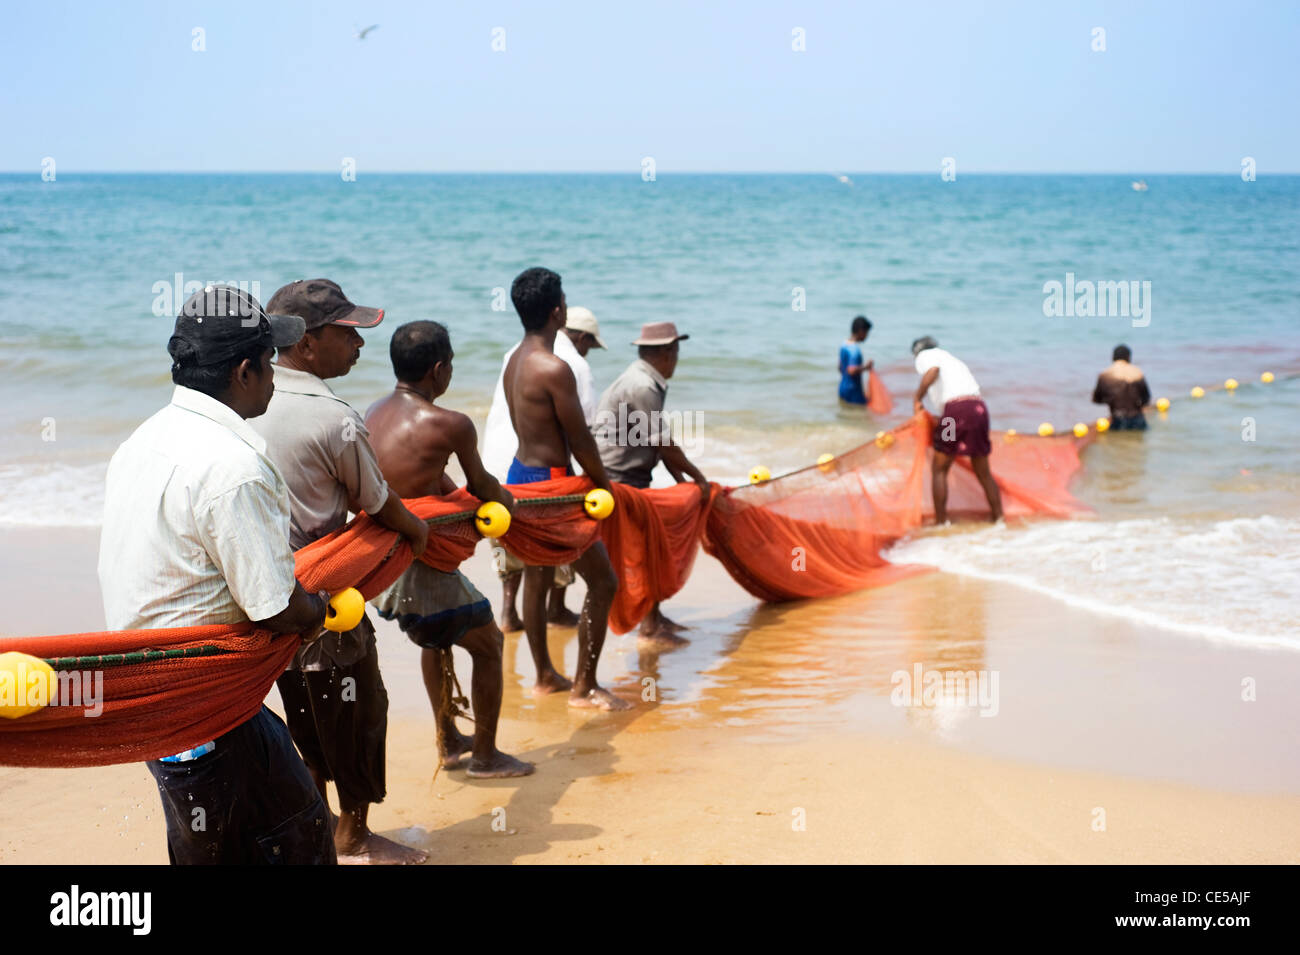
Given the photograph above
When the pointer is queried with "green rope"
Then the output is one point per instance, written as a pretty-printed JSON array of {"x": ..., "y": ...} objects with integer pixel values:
[
  {"x": 522, "y": 502},
  {"x": 104, "y": 660}
]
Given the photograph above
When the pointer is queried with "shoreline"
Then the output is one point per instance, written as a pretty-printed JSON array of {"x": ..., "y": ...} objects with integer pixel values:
[{"x": 777, "y": 708}]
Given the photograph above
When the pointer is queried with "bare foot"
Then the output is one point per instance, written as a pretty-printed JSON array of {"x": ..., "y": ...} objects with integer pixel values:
[
  {"x": 563, "y": 617},
  {"x": 660, "y": 640},
  {"x": 500, "y": 766},
  {"x": 598, "y": 699},
  {"x": 376, "y": 850},
  {"x": 550, "y": 682},
  {"x": 671, "y": 624},
  {"x": 458, "y": 747},
  {"x": 509, "y": 621}
]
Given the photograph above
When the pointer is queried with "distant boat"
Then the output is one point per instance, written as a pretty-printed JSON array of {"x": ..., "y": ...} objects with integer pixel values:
[
  {"x": 844, "y": 179},
  {"x": 1140, "y": 186}
]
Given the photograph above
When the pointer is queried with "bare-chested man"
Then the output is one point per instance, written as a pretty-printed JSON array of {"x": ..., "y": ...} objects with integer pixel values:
[
  {"x": 548, "y": 419},
  {"x": 413, "y": 439}
]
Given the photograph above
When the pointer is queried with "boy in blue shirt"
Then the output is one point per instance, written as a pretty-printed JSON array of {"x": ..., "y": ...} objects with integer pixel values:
[{"x": 852, "y": 365}]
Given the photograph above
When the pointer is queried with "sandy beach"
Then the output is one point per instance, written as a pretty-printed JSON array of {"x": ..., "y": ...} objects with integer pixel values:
[{"x": 773, "y": 738}]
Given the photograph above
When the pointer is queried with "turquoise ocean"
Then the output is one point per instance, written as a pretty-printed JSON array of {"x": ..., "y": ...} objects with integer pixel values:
[{"x": 1195, "y": 523}]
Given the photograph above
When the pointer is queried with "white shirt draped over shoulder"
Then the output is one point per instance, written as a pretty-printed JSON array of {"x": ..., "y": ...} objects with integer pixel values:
[{"x": 499, "y": 439}]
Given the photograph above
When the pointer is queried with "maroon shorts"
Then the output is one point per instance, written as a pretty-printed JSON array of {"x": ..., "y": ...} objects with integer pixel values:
[{"x": 963, "y": 428}]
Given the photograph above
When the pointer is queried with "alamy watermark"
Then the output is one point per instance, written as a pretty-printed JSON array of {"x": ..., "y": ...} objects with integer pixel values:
[
  {"x": 169, "y": 297},
  {"x": 634, "y": 428},
  {"x": 1086, "y": 299},
  {"x": 35, "y": 688},
  {"x": 931, "y": 688}
]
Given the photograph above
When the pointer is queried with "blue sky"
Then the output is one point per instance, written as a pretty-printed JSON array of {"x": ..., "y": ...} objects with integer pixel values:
[{"x": 1000, "y": 87}]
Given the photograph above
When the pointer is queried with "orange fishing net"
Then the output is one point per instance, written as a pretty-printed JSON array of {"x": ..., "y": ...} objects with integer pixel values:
[
  {"x": 816, "y": 532},
  {"x": 819, "y": 532},
  {"x": 878, "y": 398}
]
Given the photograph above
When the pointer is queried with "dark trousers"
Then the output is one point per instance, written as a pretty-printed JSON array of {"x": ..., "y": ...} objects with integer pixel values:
[
  {"x": 339, "y": 719},
  {"x": 249, "y": 802},
  {"x": 1136, "y": 422}
]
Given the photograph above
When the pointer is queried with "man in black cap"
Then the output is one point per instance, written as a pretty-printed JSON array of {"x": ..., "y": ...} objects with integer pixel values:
[
  {"x": 334, "y": 697},
  {"x": 196, "y": 532}
]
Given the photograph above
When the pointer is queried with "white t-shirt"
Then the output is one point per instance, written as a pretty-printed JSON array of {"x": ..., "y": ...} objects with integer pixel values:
[
  {"x": 954, "y": 381},
  {"x": 499, "y": 439}
]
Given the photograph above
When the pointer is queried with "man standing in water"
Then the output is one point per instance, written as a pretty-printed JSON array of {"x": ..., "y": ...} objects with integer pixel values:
[
  {"x": 852, "y": 365},
  {"x": 630, "y": 453},
  {"x": 1124, "y": 389},
  {"x": 548, "y": 419},
  {"x": 334, "y": 697},
  {"x": 414, "y": 439},
  {"x": 196, "y": 532},
  {"x": 963, "y": 425}
]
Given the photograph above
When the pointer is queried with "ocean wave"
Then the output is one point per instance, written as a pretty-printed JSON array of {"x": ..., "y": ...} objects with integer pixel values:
[
  {"x": 1231, "y": 581},
  {"x": 59, "y": 495}
]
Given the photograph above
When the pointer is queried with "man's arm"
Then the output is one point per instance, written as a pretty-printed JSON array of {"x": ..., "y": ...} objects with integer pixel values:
[
  {"x": 246, "y": 534},
  {"x": 563, "y": 389},
  {"x": 1099, "y": 393},
  {"x": 305, "y": 614},
  {"x": 1144, "y": 393},
  {"x": 357, "y": 469},
  {"x": 928, "y": 379},
  {"x": 396, "y": 517},
  {"x": 677, "y": 463},
  {"x": 485, "y": 487}
]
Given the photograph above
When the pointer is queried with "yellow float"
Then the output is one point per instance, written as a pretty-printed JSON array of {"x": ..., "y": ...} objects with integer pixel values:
[
  {"x": 1080, "y": 429},
  {"x": 825, "y": 461},
  {"x": 1231, "y": 384},
  {"x": 1162, "y": 404},
  {"x": 26, "y": 683},
  {"x": 1198, "y": 392},
  {"x": 1103, "y": 425},
  {"x": 1267, "y": 377},
  {"x": 884, "y": 439},
  {"x": 759, "y": 474},
  {"x": 345, "y": 610},
  {"x": 492, "y": 519},
  {"x": 1045, "y": 430},
  {"x": 599, "y": 503}
]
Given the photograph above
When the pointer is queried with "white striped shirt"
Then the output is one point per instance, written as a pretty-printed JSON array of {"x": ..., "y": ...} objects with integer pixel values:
[{"x": 196, "y": 522}]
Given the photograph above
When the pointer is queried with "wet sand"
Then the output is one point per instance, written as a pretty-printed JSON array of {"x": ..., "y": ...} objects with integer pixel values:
[{"x": 773, "y": 737}]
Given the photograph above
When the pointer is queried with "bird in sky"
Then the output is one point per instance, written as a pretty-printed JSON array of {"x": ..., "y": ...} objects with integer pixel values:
[{"x": 361, "y": 34}]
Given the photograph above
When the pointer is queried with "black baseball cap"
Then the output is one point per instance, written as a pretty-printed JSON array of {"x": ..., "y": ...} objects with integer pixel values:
[
  {"x": 221, "y": 321},
  {"x": 321, "y": 302}
]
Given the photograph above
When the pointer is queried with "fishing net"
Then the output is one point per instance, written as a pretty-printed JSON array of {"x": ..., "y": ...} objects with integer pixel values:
[
  {"x": 816, "y": 532},
  {"x": 820, "y": 531}
]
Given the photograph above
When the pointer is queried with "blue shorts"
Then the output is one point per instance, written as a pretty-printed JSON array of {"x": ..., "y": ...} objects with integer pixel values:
[{"x": 523, "y": 474}]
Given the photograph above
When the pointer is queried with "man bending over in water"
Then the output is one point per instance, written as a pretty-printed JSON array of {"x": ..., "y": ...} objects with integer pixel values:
[
  {"x": 413, "y": 439},
  {"x": 542, "y": 395},
  {"x": 963, "y": 425}
]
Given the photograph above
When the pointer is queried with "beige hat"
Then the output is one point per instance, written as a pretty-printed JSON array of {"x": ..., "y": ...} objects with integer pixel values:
[
  {"x": 582, "y": 320},
  {"x": 659, "y": 333}
]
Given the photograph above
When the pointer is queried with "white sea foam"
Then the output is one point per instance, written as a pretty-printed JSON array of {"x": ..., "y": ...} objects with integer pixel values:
[
  {"x": 1226, "y": 580},
  {"x": 58, "y": 495}
]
